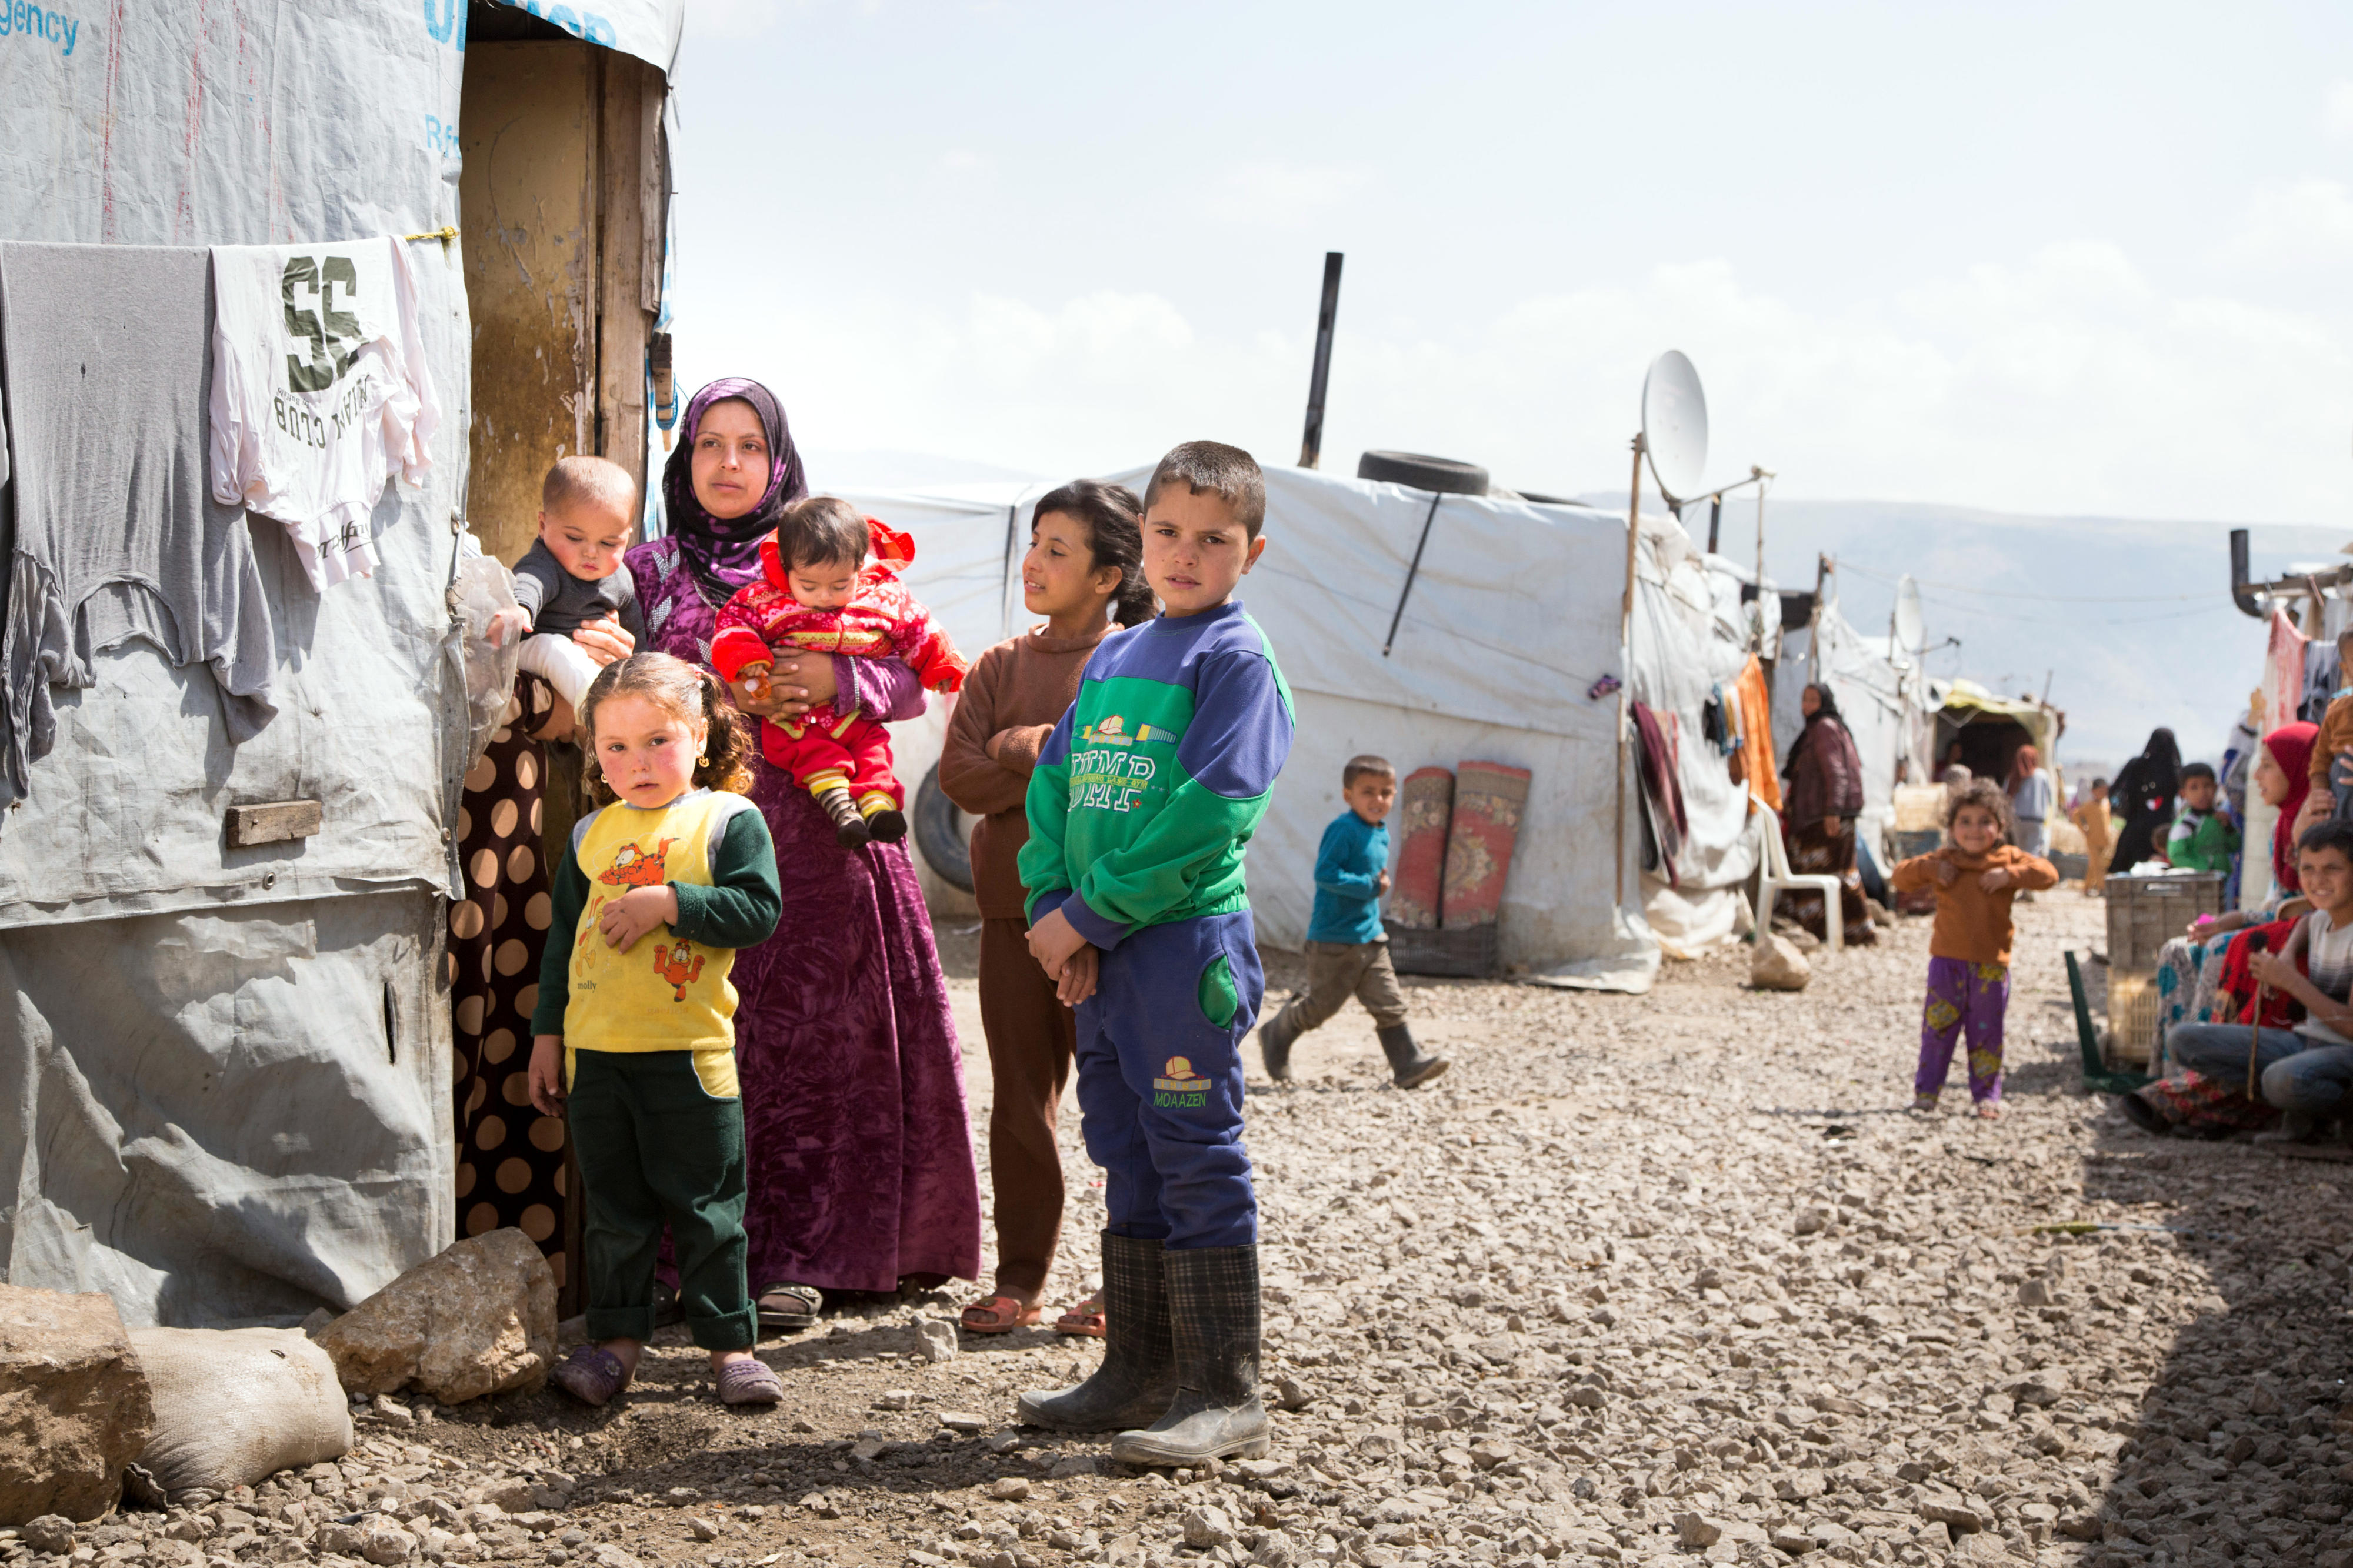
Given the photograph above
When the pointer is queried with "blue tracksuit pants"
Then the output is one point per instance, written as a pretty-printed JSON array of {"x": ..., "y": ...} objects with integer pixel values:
[{"x": 1160, "y": 1080}]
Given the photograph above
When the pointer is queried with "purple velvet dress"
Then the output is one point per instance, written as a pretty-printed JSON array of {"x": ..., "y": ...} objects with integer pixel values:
[{"x": 860, "y": 1158}]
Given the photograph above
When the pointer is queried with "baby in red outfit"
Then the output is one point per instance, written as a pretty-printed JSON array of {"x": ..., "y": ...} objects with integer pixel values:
[{"x": 818, "y": 594}]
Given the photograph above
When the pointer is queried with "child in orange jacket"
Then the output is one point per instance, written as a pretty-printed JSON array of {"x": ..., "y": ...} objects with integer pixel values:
[
  {"x": 1975, "y": 877},
  {"x": 818, "y": 594}
]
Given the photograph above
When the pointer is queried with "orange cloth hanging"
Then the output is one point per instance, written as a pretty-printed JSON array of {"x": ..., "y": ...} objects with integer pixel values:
[{"x": 1757, "y": 733}]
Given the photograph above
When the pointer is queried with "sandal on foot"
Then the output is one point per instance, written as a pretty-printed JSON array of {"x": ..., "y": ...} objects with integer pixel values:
[
  {"x": 749, "y": 1382},
  {"x": 591, "y": 1375},
  {"x": 1085, "y": 1319},
  {"x": 1988, "y": 1110},
  {"x": 998, "y": 1315},
  {"x": 787, "y": 1305}
]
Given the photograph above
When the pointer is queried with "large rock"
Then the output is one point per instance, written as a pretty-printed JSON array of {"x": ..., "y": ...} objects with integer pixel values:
[
  {"x": 1776, "y": 965},
  {"x": 478, "y": 1319},
  {"x": 74, "y": 1407}
]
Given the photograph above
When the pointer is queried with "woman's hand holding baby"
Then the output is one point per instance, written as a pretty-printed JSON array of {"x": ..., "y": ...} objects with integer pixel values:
[
  {"x": 788, "y": 690},
  {"x": 607, "y": 641},
  {"x": 636, "y": 913}
]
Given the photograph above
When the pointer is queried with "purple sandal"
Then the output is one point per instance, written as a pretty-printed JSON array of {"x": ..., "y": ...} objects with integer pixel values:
[
  {"x": 591, "y": 1375},
  {"x": 749, "y": 1382}
]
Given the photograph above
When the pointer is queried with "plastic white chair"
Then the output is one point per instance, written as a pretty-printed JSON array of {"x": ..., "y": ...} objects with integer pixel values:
[{"x": 1778, "y": 878}]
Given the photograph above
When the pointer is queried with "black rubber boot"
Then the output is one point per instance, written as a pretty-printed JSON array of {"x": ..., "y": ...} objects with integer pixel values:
[
  {"x": 1213, "y": 1316},
  {"x": 888, "y": 825},
  {"x": 1138, "y": 1375},
  {"x": 848, "y": 827},
  {"x": 1274, "y": 1040},
  {"x": 1407, "y": 1064}
]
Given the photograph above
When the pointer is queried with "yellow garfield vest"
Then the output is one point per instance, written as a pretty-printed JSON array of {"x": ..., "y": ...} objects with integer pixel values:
[{"x": 665, "y": 993}]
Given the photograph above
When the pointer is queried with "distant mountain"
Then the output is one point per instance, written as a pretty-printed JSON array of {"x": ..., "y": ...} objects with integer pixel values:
[{"x": 2130, "y": 623}]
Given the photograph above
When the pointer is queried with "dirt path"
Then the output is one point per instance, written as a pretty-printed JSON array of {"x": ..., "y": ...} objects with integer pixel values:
[{"x": 1669, "y": 1277}]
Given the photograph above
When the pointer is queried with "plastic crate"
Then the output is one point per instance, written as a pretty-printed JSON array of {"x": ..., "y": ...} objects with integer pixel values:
[
  {"x": 1466, "y": 952},
  {"x": 2146, "y": 912}
]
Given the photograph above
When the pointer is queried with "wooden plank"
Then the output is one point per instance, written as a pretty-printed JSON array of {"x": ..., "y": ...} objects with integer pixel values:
[
  {"x": 272, "y": 821},
  {"x": 621, "y": 322},
  {"x": 653, "y": 190},
  {"x": 526, "y": 204}
]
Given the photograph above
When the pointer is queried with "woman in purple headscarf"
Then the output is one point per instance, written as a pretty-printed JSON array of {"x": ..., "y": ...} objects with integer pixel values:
[{"x": 859, "y": 1152}]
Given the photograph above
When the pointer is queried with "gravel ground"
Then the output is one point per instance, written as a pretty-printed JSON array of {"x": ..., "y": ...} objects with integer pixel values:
[{"x": 1676, "y": 1277}]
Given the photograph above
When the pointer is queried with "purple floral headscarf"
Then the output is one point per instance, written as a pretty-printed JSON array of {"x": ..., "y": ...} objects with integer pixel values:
[{"x": 724, "y": 554}]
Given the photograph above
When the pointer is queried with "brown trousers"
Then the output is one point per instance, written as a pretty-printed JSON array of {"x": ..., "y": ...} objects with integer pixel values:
[
  {"x": 1339, "y": 970},
  {"x": 1031, "y": 1038}
]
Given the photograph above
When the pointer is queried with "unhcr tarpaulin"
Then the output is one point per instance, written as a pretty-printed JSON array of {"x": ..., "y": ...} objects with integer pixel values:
[{"x": 225, "y": 1076}]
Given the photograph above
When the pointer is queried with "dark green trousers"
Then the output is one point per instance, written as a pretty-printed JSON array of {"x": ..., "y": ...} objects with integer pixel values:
[{"x": 657, "y": 1147}]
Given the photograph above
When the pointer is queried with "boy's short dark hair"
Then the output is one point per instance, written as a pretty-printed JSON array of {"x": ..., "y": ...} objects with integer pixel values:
[
  {"x": 571, "y": 480},
  {"x": 1984, "y": 794},
  {"x": 2196, "y": 770},
  {"x": 2336, "y": 833},
  {"x": 1358, "y": 767},
  {"x": 2099, "y": 783},
  {"x": 1227, "y": 472},
  {"x": 823, "y": 531}
]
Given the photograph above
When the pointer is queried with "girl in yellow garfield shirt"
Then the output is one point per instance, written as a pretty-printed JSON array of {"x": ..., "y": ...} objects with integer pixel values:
[{"x": 635, "y": 1032}]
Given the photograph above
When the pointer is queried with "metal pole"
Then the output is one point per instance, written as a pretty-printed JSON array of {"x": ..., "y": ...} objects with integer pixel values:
[
  {"x": 1311, "y": 443},
  {"x": 1411, "y": 572},
  {"x": 1714, "y": 519},
  {"x": 1626, "y": 643},
  {"x": 1760, "y": 576}
]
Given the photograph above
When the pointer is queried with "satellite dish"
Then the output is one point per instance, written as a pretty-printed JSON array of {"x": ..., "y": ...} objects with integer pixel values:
[
  {"x": 1674, "y": 424},
  {"x": 1910, "y": 630}
]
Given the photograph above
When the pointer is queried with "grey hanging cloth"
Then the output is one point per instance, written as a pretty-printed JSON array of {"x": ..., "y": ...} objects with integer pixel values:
[{"x": 107, "y": 351}]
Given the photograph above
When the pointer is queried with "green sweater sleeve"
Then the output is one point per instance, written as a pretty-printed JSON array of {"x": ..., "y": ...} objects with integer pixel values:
[
  {"x": 740, "y": 907},
  {"x": 566, "y": 900}
]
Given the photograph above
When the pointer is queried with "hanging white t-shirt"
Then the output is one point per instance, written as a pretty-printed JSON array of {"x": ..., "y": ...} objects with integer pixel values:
[{"x": 320, "y": 391}]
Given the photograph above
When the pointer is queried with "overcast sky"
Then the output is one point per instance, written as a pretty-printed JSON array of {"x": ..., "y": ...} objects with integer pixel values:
[{"x": 2085, "y": 258}]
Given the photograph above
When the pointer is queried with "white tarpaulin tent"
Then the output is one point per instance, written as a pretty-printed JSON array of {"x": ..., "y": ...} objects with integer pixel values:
[
  {"x": 224, "y": 1075},
  {"x": 1881, "y": 704},
  {"x": 1511, "y": 620},
  {"x": 1690, "y": 643}
]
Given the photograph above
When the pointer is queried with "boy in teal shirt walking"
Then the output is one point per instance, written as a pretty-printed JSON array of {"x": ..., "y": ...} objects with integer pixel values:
[
  {"x": 1347, "y": 947},
  {"x": 1142, "y": 801}
]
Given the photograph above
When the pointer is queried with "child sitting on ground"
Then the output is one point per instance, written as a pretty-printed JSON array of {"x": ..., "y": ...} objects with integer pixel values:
[
  {"x": 634, "y": 1032},
  {"x": 2201, "y": 838},
  {"x": 816, "y": 594},
  {"x": 1976, "y": 876},
  {"x": 572, "y": 575},
  {"x": 1347, "y": 950}
]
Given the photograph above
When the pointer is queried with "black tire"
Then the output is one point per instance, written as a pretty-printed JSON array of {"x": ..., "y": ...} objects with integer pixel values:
[
  {"x": 1443, "y": 475},
  {"x": 940, "y": 833}
]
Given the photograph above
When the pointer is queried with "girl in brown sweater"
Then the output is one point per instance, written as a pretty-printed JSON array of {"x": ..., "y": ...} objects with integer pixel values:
[
  {"x": 1975, "y": 878},
  {"x": 1085, "y": 570}
]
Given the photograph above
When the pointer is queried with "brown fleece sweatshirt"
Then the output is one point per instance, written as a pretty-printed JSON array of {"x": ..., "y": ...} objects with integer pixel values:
[
  {"x": 1018, "y": 691},
  {"x": 1972, "y": 924},
  {"x": 2335, "y": 731}
]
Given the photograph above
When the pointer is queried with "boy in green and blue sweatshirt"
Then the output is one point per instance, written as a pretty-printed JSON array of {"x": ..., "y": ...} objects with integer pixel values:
[{"x": 1142, "y": 801}]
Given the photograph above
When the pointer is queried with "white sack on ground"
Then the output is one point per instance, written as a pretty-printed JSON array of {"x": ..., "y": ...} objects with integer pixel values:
[{"x": 233, "y": 1406}]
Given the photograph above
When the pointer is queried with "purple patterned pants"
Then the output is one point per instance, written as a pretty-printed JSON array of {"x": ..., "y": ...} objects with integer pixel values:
[{"x": 1963, "y": 996}]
